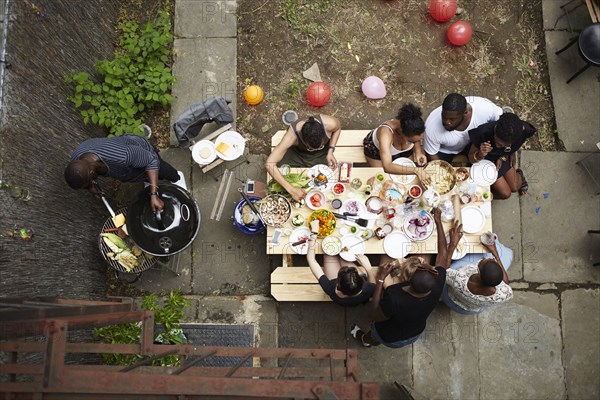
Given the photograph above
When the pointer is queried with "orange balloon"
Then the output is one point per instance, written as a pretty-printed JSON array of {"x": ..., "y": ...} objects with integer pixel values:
[{"x": 254, "y": 95}]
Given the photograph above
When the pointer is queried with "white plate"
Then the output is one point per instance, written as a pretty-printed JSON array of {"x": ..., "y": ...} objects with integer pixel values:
[
  {"x": 412, "y": 236},
  {"x": 312, "y": 193},
  {"x": 403, "y": 179},
  {"x": 295, "y": 236},
  {"x": 236, "y": 144},
  {"x": 362, "y": 209},
  {"x": 204, "y": 144},
  {"x": 331, "y": 245},
  {"x": 355, "y": 245},
  {"x": 396, "y": 245},
  {"x": 325, "y": 170},
  {"x": 473, "y": 219},
  {"x": 484, "y": 173},
  {"x": 461, "y": 250}
]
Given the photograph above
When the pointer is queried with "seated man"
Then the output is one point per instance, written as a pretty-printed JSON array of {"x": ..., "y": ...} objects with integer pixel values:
[
  {"x": 306, "y": 143},
  {"x": 128, "y": 158},
  {"x": 446, "y": 128}
]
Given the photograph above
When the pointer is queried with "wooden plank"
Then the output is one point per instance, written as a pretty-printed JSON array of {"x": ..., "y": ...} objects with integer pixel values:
[
  {"x": 593, "y": 7},
  {"x": 296, "y": 275},
  {"x": 213, "y": 135},
  {"x": 351, "y": 137},
  {"x": 298, "y": 293}
]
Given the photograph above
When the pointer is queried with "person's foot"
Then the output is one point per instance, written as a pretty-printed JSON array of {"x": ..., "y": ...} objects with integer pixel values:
[
  {"x": 181, "y": 182},
  {"x": 507, "y": 109},
  {"x": 524, "y": 185},
  {"x": 147, "y": 131},
  {"x": 358, "y": 334}
]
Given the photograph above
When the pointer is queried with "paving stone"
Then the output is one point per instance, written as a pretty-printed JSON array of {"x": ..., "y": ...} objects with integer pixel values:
[
  {"x": 556, "y": 245},
  {"x": 581, "y": 336},
  {"x": 519, "y": 353},
  {"x": 507, "y": 222},
  {"x": 547, "y": 286},
  {"x": 447, "y": 354},
  {"x": 304, "y": 325},
  {"x": 519, "y": 285},
  {"x": 575, "y": 104},
  {"x": 578, "y": 15},
  {"x": 546, "y": 304},
  {"x": 205, "y": 18}
]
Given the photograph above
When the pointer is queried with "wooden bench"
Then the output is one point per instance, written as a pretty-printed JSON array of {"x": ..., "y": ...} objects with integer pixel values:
[{"x": 348, "y": 148}]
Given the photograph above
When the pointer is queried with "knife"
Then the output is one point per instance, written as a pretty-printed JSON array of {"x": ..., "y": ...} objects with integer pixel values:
[
  {"x": 299, "y": 242},
  {"x": 252, "y": 207}
]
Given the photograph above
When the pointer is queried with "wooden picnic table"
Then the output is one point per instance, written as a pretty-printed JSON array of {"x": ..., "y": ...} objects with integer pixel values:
[{"x": 374, "y": 245}]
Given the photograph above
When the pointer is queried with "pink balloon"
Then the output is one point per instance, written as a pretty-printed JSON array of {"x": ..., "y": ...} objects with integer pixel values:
[
  {"x": 459, "y": 33},
  {"x": 374, "y": 88}
]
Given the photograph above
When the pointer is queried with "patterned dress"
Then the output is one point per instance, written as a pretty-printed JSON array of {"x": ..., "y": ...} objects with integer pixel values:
[{"x": 460, "y": 294}]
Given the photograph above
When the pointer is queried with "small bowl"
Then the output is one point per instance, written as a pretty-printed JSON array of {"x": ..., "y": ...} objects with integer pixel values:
[
  {"x": 462, "y": 174},
  {"x": 311, "y": 195},
  {"x": 415, "y": 191},
  {"x": 374, "y": 205},
  {"x": 297, "y": 220},
  {"x": 338, "y": 189}
]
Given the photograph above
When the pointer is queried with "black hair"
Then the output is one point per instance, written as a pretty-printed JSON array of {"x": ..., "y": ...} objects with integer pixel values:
[
  {"x": 349, "y": 281},
  {"x": 508, "y": 126},
  {"x": 76, "y": 174},
  {"x": 491, "y": 273},
  {"x": 312, "y": 133},
  {"x": 410, "y": 120},
  {"x": 455, "y": 102},
  {"x": 422, "y": 281}
]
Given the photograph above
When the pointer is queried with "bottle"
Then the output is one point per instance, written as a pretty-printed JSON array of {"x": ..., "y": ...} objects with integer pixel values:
[{"x": 368, "y": 190}]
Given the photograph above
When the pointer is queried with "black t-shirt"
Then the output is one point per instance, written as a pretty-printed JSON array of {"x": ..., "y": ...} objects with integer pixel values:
[
  {"x": 363, "y": 297},
  {"x": 407, "y": 314},
  {"x": 485, "y": 133}
]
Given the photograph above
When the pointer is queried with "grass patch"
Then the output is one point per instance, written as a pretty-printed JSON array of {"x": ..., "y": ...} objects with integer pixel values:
[{"x": 303, "y": 15}]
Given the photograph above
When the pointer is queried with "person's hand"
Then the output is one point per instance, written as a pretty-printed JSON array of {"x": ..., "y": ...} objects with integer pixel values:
[
  {"x": 156, "y": 204},
  {"x": 423, "y": 177},
  {"x": 456, "y": 233},
  {"x": 485, "y": 148},
  {"x": 385, "y": 269},
  {"x": 363, "y": 260},
  {"x": 93, "y": 189},
  {"x": 437, "y": 215},
  {"x": 513, "y": 160},
  {"x": 314, "y": 226},
  {"x": 331, "y": 161},
  {"x": 421, "y": 159},
  {"x": 297, "y": 194}
]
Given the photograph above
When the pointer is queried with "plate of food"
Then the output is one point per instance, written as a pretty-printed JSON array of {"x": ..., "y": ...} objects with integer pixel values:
[
  {"x": 332, "y": 245},
  {"x": 473, "y": 219},
  {"x": 419, "y": 226},
  {"x": 462, "y": 174},
  {"x": 338, "y": 189},
  {"x": 403, "y": 179},
  {"x": 354, "y": 206},
  {"x": 391, "y": 192},
  {"x": 461, "y": 248},
  {"x": 245, "y": 219},
  {"x": 204, "y": 152},
  {"x": 315, "y": 199},
  {"x": 484, "y": 173},
  {"x": 397, "y": 245},
  {"x": 327, "y": 222},
  {"x": 374, "y": 205},
  {"x": 321, "y": 176},
  {"x": 351, "y": 246},
  {"x": 298, "y": 235},
  {"x": 442, "y": 174},
  {"x": 230, "y": 145},
  {"x": 274, "y": 209}
]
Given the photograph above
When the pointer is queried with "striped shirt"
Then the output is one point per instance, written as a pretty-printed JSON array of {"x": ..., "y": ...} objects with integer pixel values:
[{"x": 127, "y": 157}]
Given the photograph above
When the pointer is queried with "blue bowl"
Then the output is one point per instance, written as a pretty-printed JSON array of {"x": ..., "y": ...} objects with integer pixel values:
[{"x": 249, "y": 229}]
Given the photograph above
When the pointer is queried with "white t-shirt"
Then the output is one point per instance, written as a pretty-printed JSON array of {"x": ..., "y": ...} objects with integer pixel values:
[
  {"x": 437, "y": 138},
  {"x": 459, "y": 293}
]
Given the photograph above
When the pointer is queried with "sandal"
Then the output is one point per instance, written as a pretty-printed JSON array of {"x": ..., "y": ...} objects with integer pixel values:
[
  {"x": 354, "y": 329},
  {"x": 524, "y": 185}
]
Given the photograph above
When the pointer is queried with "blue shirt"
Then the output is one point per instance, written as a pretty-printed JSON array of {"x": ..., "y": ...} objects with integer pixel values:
[{"x": 127, "y": 157}]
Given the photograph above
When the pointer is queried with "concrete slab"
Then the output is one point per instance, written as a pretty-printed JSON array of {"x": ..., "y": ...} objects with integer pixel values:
[
  {"x": 544, "y": 303},
  {"x": 575, "y": 104},
  {"x": 204, "y": 68},
  {"x": 447, "y": 354},
  {"x": 226, "y": 261},
  {"x": 507, "y": 222},
  {"x": 556, "y": 245},
  {"x": 578, "y": 15},
  {"x": 519, "y": 354},
  {"x": 581, "y": 337},
  {"x": 205, "y": 18},
  {"x": 312, "y": 325}
]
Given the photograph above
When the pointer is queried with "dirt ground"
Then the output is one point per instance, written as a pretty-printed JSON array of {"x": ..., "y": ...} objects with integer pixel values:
[{"x": 398, "y": 41}]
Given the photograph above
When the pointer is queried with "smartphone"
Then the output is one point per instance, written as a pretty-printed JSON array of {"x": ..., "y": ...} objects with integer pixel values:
[
  {"x": 249, "y": 186},
  {"x": 276, "y": 235}
]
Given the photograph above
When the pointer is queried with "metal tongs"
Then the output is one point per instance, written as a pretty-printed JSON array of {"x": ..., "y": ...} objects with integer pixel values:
[{"x": 252, "y": 206}]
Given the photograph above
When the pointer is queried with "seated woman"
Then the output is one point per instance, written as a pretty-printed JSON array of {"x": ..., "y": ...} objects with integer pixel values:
[
  {"x": 477, "y": 281},
  {"x": 498, "y": 141},
  {"x": 306, "y": 143},
  {"x": 395, "y": 138},
  {"x": 343, "y": 284}
]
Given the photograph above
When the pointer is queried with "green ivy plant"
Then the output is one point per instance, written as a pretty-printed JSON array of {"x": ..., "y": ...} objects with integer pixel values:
[
  {"x": 137, "y": 79},
  {"x": 167, "y": 313}
]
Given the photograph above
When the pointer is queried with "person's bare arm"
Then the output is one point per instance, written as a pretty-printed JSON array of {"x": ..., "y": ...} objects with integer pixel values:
[
  {"x": 156, "y": 204},
  {"x": 276, "y": 155},
  {"x": 442, "y": 255},
  {"x": 382, "y": 273},
  {"x": 332, "y": 124},
  {"x": 432, "y": 157},
  {"x": 419, "y": 154},
  {"x": 385, "y": 143},
  {"x": 366, "y": 264},
  {"x": 494, "y": 250}
]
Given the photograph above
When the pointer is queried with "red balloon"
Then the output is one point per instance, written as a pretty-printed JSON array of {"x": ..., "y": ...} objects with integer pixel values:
[
  {"x": 318, "y": 94},
  {"x": 459, "y": 33},
  {"x": 442, "y": 10}
]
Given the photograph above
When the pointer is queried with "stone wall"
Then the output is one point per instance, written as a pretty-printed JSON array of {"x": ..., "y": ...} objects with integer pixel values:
[{"x": 39, "y": 131}]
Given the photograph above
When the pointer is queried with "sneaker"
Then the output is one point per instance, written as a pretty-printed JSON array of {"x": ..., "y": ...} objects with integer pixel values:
[
  {"x": 507, "y": 109},
  {"x": 181, "y": 182},
  {"x": 354, "y": 331},
  {"x": 147, "y": 131}
]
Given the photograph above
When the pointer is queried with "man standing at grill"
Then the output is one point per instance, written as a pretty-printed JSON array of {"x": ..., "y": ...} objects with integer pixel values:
[{"x": 128, "y": 158}]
